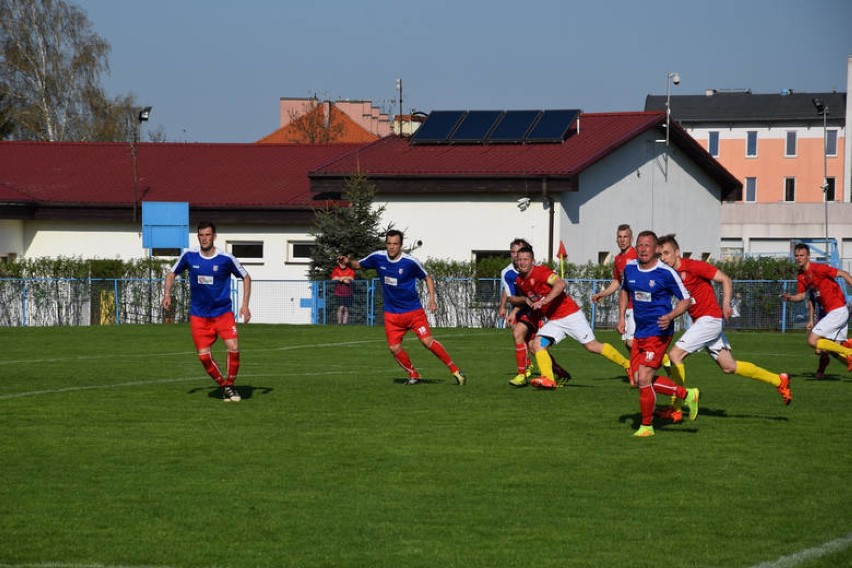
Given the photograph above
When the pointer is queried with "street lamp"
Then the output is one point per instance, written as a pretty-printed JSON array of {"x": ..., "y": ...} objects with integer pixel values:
[
  {"x": 822, "y": 109},
  {"x": 143, "y": 116},
  {"x": 671, "y": 77}
]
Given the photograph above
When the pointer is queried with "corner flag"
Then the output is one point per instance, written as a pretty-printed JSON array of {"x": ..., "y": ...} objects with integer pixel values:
[{"x": 562, "y": 254}]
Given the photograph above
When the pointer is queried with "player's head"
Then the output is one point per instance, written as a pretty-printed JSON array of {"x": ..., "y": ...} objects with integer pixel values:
[
  {"x": 624, "y": 237},
  {"x": 206, "y": 235},
  {"x": 801, "y": 254},
  {"x": 514, "y": 247},
  {"x": 525, "y": 259},
  {"x": 646, "y": 246},
  {"x": 669, "y": 249},
  {"x": 393, "y": 243}
]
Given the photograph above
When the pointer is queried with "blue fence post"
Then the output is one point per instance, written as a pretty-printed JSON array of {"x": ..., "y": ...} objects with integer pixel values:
[
  {"x": 24, "y": 305},
  {"x": 784, "y": 310},
  {"x": 315, "y": 302},
  {"x": 371, "y": 302}
]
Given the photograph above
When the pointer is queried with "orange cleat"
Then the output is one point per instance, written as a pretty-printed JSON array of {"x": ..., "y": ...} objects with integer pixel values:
[
  {"x": 543, "y": 383},
  {"x": 784, "y": 389}
]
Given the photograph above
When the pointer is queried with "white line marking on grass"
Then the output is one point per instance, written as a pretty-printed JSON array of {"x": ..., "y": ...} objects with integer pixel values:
[
  {"x": 134, "y": 384},
  {"x": 67, "y": 565},
  {"x": 836, "y": 545}
]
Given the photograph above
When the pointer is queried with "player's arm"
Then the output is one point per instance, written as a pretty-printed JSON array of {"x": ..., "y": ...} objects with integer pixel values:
[
  {"x": 621, "y": 326},
  {"x": 608, "y": 291},
  {"x": 557, "y": 287},
  {"x": 353, "y": 264},
  {"x": 432, "y": 304},
  {"x": 727, "y": 292},
  {"x": 167, "y": 290},
  {"x": 845, "y": 275},
  {"x": 501, "y": 313},
  {"x": 245, "y": 313},
  {"x": 811, "y": 322},
  {"x": 793, "y": 297},
  {"x": 680, "y": 308}
]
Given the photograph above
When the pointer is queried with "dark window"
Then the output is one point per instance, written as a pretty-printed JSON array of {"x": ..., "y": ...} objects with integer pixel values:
[
  {"x": 751, "y": 143},
  {"x": 829, "y": 189},
  {"x": 713, "y": 144},
  {"x": 789, "y": 189},
  {"x": 249, "y": 250}
]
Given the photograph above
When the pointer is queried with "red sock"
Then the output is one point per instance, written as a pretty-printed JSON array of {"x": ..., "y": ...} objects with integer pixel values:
[
  {"x": 442, "y": 354},
  {"x": 211, "y": 367},
  {"x": 405, "y": 362},
  {"x": 233, "y": 367},
  {"x": 647, "y": 403},
  {"x": 522, "y": 357},
  {"x": 664, "y": 385}
]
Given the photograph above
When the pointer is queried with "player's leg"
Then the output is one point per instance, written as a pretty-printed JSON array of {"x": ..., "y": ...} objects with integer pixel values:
[
  {"x": 830, "y": 329},
  {"x": 394, "y": 332},
  {"x": 420, "y": 326},
  {"x": 544, "y": 362},
  {"x": 203, "y": 336}
]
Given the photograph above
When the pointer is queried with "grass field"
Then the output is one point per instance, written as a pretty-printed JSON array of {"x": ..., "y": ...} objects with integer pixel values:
[{"x": 117, "y": 451}]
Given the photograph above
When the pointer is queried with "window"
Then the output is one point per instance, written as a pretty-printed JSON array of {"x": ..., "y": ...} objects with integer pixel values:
[
  {"x": 829, "y": 189},
  {"x": 705, "y": 256},
  {"x": 713, "y": 144},
  {"x": 247, "y": 252},
  {"x": 789, "y": 189},
  {"x": 299, "y": 252},
  {"x": 750, "y": 190},
  {"x": 790, "y": 148},
  {"x": 751, "y": 143},
  {"x": 831, "y": 143},
  {"x": 174, "y": 252},
  {"x": 603, "y": 257}
]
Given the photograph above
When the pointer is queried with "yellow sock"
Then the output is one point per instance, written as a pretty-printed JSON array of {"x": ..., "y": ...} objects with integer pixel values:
[
  {"x": 828, "y": 345},
  {"x": 752, "y": 371},
  {"x": 679, "y": 377},
  {"x": 666, "y": 361},
  {"x": 609, "y": 352},
  {"x": 545, "y": 363}
]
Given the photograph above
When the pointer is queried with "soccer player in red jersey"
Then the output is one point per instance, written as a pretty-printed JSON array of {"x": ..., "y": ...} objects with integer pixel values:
[
  {"x": 542, "y": 290},
  {"x": 210, "y": 311},
  {"x": 833, "y": 327},
  {"x": 707, "y": 329},
  {"x": 403, "y": 312},
  {"x": 627, "y": 252}
]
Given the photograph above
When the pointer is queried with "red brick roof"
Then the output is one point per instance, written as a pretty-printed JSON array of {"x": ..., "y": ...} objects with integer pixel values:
[
  {"x": 205, "y": 175},
  {"x": 599, "y": 135}
]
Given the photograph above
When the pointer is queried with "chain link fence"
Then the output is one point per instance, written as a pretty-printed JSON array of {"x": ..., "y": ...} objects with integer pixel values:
[{"x": 462, "y": 302}]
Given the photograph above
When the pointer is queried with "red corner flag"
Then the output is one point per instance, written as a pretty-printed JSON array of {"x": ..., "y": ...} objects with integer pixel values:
[{"x": 561, "y": 254}]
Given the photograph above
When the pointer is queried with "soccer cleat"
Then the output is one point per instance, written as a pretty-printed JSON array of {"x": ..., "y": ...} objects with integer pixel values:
[
  {"x": 670, "y": 413},
  {"x": 560, "y": 373},
  {"x": 691, "y": 399},
  {"x": 519, "y": 381},
  {"x": 644, "y": 432},
  {"x": 459, "y": 377},
  {"x": 414, "y": 381},
  {"x": 528, "y": 371},
  {"x": 784, "y": 389},
  {"x": 543, "y": 383},
  {"x": 230, "y": 394},
  {"x": 849, "y": 363},
  {"x": 563, "y": 380},
  {"x": 847, "y": 343}
]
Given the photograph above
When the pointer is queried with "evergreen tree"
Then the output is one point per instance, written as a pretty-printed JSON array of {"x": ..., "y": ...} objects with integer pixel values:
[{"x": 353, "y": 230}]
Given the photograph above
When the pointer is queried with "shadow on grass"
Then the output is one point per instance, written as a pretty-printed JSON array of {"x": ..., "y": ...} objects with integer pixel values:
[
  {"x": 722, "y": 413},
  {"x": 423, "y": 381},
  {"x": 825, "y": 379},
  {"x": 635, "y": 419},
  {"x": 246, "y": 392}
]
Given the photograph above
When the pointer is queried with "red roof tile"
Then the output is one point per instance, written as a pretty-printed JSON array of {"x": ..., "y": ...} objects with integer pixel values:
[{"x": 206, "y": 175}]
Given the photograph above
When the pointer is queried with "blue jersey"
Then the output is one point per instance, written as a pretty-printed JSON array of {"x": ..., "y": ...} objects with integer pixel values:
[
  {"x": 399, "y": 280},
  {"x": 508, "y": 276},
  {"x": 209, "y": 281},
  {"x": 651, "y": 291}
]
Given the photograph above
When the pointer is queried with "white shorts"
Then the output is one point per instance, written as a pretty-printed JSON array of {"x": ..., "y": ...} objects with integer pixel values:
[
  {"x": 629, "y": 325},
  {"x": 834, "y": 325},
  {"x": 575, "y": 326},
  {"x": 705, "y": 333}
]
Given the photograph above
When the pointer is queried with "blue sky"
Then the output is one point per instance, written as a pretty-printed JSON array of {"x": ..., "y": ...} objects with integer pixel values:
[{"x": 214, "y": 70}]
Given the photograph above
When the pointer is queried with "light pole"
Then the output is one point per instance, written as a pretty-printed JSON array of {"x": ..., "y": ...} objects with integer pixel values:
[
  {"x": 822, "y": 109},
  {"x": 399, "y": 116},
  {"x": 143, "y": 116},
  {"x": 671, "y": 77}
]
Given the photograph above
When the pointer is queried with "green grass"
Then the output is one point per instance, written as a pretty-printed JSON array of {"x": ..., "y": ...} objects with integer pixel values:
[{"x": 117, "y": 451}]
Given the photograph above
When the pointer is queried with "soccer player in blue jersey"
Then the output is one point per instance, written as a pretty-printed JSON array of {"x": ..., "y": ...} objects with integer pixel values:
[
  {"x": 651, "y": 284},
  {"x": 210, "y": 311},
  {"x": 399, "y": 273}
]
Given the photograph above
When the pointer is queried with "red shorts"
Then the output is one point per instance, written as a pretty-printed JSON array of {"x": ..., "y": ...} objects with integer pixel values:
[
  {"x": 206, "y": 330},
  {"x": 396, "y": 325},
  {"x": 649, "y": 351}
]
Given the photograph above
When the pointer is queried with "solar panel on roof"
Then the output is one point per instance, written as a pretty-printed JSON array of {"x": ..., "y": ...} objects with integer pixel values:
[
  {"x": 438, "y": 128},
  {"x": 514, "y": 126},
  {"x": 552, "y": 126},
  {"x": 476, "y": 126}
]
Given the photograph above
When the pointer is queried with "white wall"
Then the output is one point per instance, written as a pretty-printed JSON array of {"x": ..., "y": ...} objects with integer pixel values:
[
  {"x": 630, "y": 186},
  {"x": 11, "y": 237}
]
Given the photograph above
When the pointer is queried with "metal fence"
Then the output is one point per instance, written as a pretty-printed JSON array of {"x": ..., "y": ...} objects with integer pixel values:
[{"x": 462, "y": 302}]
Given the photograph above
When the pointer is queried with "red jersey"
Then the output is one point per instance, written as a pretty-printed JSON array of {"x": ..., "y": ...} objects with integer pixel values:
[
  {"x": 821, "y": 279},
  {"x": 538, "y": 284},
  {"x": 342, "y": 288},
  {"x": 621, "y": 260},
  {"x": 697, "y": 276}
]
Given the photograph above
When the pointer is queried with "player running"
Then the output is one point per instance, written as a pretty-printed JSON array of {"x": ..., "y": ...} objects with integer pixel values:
[{"x": 707, "y": 329}]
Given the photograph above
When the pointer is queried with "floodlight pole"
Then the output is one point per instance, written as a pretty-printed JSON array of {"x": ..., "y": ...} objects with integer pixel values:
[
  {"x": 143, "y": 116},
  {"x": 822, "y": 109},
  {"x": 399, "y": 115},
  {"x": 672, "y": 76}
]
